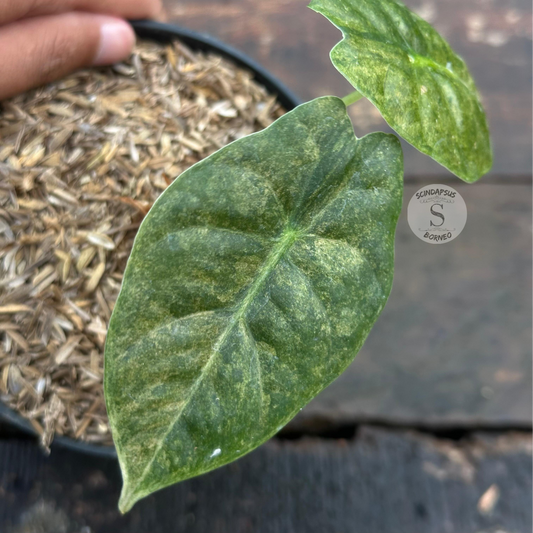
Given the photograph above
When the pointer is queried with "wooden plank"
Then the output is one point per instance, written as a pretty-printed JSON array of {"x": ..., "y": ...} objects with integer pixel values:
[
  {"x": 380, "y": 482},
  {"x": 293, "y": 43},
  {"x": 453, "y": 345}
]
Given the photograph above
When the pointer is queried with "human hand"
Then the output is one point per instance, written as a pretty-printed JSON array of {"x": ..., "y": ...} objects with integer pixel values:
[{"x": 43, "y": 40}]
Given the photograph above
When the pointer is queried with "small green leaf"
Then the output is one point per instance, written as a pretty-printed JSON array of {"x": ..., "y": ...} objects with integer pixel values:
[
  {"x": 253, "y": 282},
  {"x": 410, "y": 73}
]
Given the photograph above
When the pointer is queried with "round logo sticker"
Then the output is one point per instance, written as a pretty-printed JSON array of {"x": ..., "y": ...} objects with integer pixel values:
[{"x": 436, "y": 214}]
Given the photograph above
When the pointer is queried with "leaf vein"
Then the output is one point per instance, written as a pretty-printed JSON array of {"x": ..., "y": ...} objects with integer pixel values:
[{"x": 258, "y": 365}]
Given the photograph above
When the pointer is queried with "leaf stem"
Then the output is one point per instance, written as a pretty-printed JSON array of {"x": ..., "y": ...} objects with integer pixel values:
[{"x": 351, "y": 98}]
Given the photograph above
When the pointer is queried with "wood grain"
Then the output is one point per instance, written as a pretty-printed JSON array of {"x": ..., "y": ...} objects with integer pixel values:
[
  {"x": 494, "y": 36},
  {"x": 380, "y": 481}
]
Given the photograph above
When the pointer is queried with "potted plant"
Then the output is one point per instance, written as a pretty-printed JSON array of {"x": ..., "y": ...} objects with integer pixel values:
[
  {"x": 257, "y": 275},
  {"x": 51, "y": 168}
]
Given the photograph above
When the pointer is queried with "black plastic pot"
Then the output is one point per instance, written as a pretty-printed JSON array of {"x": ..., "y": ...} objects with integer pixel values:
[{"x": 161, "y": 32}]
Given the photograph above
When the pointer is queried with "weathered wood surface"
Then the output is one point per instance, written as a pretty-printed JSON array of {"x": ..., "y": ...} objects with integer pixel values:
[
  {"x": 380, "y": 482},
  {"x": 453, "y": 345},
  {"x": 494, "y": 36}
]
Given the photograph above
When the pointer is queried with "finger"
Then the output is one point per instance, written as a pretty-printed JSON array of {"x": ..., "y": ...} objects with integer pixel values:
[
  {"x": 38, "y": 50},
  {"x": 12, "y": 10}
]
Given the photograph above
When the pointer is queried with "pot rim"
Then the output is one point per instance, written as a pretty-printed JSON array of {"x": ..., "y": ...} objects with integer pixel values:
[{"x": 163, "y": 32}]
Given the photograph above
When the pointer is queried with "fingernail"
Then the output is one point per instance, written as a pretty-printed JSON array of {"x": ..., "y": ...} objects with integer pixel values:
[{"x": 116, "y": 42}]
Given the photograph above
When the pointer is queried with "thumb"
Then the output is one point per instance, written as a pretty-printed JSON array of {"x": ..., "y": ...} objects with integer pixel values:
[{"x": 39, "y": 50}]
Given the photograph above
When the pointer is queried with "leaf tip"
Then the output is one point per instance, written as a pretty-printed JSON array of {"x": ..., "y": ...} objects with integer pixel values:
[
  {"x": 128, "y": 499},
  {"x": 472, "y": 176}
]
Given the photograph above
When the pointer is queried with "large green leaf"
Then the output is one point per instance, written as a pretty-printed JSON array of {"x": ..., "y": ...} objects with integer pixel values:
[
  {"x": 253, "y": 282},
  {"x": 410, "y": 73}
]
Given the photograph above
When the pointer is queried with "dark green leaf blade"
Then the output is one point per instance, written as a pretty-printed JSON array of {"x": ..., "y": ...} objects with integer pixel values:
[
  {"x": 417, "y": 82},
  {"x": 253, "y": 282}
]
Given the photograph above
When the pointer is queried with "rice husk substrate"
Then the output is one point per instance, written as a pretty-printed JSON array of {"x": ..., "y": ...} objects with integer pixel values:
[{"x": 81, "y": 162}]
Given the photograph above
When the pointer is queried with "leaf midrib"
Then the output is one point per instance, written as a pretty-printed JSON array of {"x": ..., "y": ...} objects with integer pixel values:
[
  {"x": 286, "y": 241},
  {"x": 421, "y": 61}
]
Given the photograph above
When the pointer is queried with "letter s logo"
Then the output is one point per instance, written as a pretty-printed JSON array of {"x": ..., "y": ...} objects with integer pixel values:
[{"x": 439, "y": 215}]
